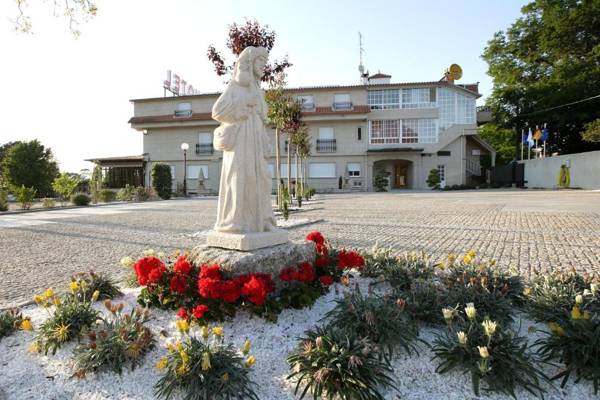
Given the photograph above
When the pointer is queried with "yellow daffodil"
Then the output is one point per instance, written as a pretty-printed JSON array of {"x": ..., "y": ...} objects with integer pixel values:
[
  {"x": 470, "y": 311},
  {"x": 162, "y": 363},
  {"x": 204, "y": 331},
  {"x": 74, "y": 286},
  {"x": 217, "y": 331},
  {"x": 472, "y": 253},
  {"x": 95, "y": 295},
  {"x": 225, "y": 377},
  {"x": 26, "y": 325},
  {"x": 527, "y": 291},
  {"x": 489, "y": 327},
  {"x": 246, "y": 347},
  {"x": 483, "y": 351},
  {"x": 56, "y": 301},
  {"x": 462, "y": 338},
  {"x": 49, "y": 293},
  {"x": 250, "y": 361},
  {"x": 556, "y": 329},
  {"x": 185, "y": 358},
  {"x": 182, "y": 370},
  {"x": 127, "y": 262},
  {"x": 61, "y": 333},
  {"x": 467, "y": 259},
  {"x": 34, "y": 347},
  {"x": 205, "y": 361},
  {"x": 578, "y": 299},
  {"x": 179, "y": 346},
  {"x": 448, "y": 313},
  {"x": 182, "y": 325},
  {"x": 575, "y": 313},
  {"x": 39, "y": 300}
]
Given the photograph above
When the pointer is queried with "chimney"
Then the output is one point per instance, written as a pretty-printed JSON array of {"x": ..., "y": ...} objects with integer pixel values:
[{"x": 379, "y": 79}]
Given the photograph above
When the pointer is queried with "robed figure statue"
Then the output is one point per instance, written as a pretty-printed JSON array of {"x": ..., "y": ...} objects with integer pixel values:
[{"x": 245, "y": 187}]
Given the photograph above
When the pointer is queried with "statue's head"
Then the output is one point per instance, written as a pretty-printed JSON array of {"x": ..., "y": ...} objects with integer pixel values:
[{"x": 250, "y": 65}]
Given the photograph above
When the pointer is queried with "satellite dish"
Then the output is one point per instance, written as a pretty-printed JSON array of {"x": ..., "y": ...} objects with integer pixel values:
[{"x": 455, "y": 72}]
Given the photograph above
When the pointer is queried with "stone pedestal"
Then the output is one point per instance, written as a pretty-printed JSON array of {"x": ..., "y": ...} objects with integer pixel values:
[
  {"x": 246, "y": 241},
  {"x": 269, "y": 260}
]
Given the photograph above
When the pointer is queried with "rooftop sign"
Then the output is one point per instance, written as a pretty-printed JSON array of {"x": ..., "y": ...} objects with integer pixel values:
[{"x": 177, "y": 85}]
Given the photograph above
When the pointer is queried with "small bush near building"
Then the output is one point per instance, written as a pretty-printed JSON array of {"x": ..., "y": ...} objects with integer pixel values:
[
  {"x": 106, "y": 195},
  {"x": 380, "y": 180},
  {"x": 126, "y": 194},
  {"x": 25, "y": 196},
  {"x": 162, "y": 180},
  {"x": 47, "y": 202},
  {"x": 80, "y": 199},
  {"x": 65, "y": 186},
  {"x": 433, "y": 180},
  {"x": 142, "y": 194}
]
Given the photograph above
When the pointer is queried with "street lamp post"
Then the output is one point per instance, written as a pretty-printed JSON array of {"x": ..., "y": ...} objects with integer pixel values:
[{"x": 185, "y": 147}]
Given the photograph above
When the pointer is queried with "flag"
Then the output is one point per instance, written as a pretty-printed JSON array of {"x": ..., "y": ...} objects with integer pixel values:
[
  {"x": 545, "y": 134},
  {"x": 537, "y": 135},
  {"x": 523, "y": 136},
  {"x": 530, "y": 141}
]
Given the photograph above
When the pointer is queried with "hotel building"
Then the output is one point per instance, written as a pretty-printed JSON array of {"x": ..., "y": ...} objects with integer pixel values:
[{"x": 406, "y": 129}]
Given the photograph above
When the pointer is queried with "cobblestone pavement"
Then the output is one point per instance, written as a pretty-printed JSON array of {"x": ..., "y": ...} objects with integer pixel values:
[{"x": 528, "y": 229}]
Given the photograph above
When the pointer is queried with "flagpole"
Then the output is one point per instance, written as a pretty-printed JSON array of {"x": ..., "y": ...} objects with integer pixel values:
[{"x": 522, "y": 133}]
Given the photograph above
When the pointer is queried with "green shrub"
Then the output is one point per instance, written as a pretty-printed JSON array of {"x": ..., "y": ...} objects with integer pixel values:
[
  {"x": 380, "y": 180},
  {"x": 115, "y": 341},
  {"x": 141, "y": 193},
  {"x": 70, "y": 316},
  {"x": 330, "y": 364},
  {"x": 48, "y": 202},
  {"x": 423, "y": 301},
  {"x": 285, "y": 212},
  {"x": 491, "y": 354},
  {"x": 203, "y": 368},
  {"x": 126, "y": 194},
  {"x": 309, "y": 193},
  {"x": 299, "y": 198},
  {"x": 25, "y": 196},
  {"x": 3, "y": 199},
  {"x": 433, "y": 180},
  {"x": 106, "y": 287},
  {"x": 106, "y": 195},
  {"x": 64, "y": 185},
  {"x": 162, "y": 180},
  {"x": 378, "y": 319},
  {"x": 10, "y": 321},
  {"x": 81, "y": 199}
]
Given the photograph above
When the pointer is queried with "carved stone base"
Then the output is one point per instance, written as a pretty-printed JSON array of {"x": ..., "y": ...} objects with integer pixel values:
[
  {"x": 246, "y": 241},
  {"x": 269, "y": 260}
]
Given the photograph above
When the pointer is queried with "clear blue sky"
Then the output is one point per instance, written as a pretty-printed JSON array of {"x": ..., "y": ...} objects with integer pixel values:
[{"x": 73, "y": 94}]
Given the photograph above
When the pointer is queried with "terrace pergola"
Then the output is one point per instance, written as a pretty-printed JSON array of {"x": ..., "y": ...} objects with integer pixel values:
[{"x": 120, "y": 171}]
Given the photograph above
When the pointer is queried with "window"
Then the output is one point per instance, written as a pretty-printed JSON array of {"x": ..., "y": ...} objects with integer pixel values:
[
  {"x": 183, "y": 110},
  {"x": 444, "y": 153},
  {"x": 427, "y": 129},
  {"x": 341, "y": 101},
  {"x": 418, "y": 98},
  {"x": 193, "y": 171},
  {"x": 321, "y": 170},
  {"x": 442, "y": 173},
  {"x": 326, "y": 134},
  {"x": 465, "y": 109},
  {"x": 385, "y": 131},
  {"x": 307, "y": 102},
  {"x": 388, "y": 99},
  {"x": 360, "y": 133},
  {"x": 272, "y": 170},
  {"x": 455, "y": 108},
  {"x": 353, "y": 169},
  {"x": 172, "y": 172},
  {"x": 403, "y": 131},
  {"x": 476, "y": 152},
  {"x": 410, "y": 131},
  {"x": 205, "y": 138},
  {"x": 284, "y": 171}
]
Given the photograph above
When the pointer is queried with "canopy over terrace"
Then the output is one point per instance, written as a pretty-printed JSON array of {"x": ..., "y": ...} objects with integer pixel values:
[{"x": 120, "y": 171}]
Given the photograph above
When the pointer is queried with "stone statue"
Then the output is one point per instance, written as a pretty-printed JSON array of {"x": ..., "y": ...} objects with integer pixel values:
[{"x": 245, "y": 189}]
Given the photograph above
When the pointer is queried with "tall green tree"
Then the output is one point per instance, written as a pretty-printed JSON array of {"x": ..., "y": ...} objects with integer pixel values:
[
  {"x": 32, "y": 165},
  {"x": 547, "y": 58},
  {"x": 502, "y": 139},
  {"x": 3, "y": 150}
]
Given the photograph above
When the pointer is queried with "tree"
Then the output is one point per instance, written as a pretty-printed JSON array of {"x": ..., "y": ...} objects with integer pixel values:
[
  {"x": 76, "y": 11},
  {"x": 545, "y": 60},
  {"x": 241, "y": 36},
  {"x": 380, "y": 179},
  {"x": 502, "y": 139},
  {"x": 3, "y": 150},
  {"x": 162, "y": 180},
  {"x": 32, "y": 165},
  {"x": 433, "y": 180},
  {"x": 592, "y": 132},
  {"x": 65, "y": 185}
]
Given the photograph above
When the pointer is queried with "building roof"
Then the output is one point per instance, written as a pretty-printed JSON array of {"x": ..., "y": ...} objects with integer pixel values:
[
  {"x": 469, "y": 88},
  {"x": 379, "y": 75},
  {"x": 123, "y": 158}
]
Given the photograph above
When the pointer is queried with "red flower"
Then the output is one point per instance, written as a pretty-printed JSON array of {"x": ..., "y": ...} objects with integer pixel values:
[
  {"x": 199, "y": 310},
  {"x": 287, "y": 274},
  {"x": 306, "y": 273},
  {"x": 322, "y": 261},
  {"x": 182, "y": 313},
  {"x": 321, "y": 249},
  {"x": 182, "y": 266},
  {"x": 256, "y": 290},
  {"x": 210, "y": 271},
  {"x": 230, "y": 291},
  {"x": 316, "y": 237},
  {"x": 326, "y": 280},
  {"x": 209, "y": 288},
  {"x": 178, "y": 284},
  {"x": 350, "y": 259},
  {"x": 145, "y": 266}
]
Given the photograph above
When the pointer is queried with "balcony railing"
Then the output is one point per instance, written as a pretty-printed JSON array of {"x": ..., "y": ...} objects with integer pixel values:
[
  {"x": 326, "y": 146},
  {"x": 307, "y": 106},
  {"x": 342, "y": 105},
  {"x": 183, "y": 113},
  {"x": 204, "y": 148}
]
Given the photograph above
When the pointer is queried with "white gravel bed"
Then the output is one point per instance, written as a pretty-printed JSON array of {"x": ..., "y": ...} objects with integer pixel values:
[{"x": 24, "y": 375}]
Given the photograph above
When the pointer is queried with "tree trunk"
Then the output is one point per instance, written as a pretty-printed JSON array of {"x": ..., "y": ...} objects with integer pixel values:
[
  {"x": 297, "y": 175},
  {"x": 289, "y": 167},
  {"x": 277, "y": 168}
]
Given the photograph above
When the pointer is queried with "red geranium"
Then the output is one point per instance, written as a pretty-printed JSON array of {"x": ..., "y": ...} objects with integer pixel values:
[
  {"x": 146, "y": 266},
  {"x": 322, "y": 261},
  {"x": 210, "y": 271},
  {"x": 182, "y": 266},
  {"x": 230, "y": 291},
  {"x": 315, "y": 236},
  {"x": 178, "y": 284},
  {"x": 287, "y": 274},
  {"x": 209, "y": 288},
  {"x": 256, "y": 289},
  {"x": 305, "y": 273},
  {"x": 199, "y": 310},
  {"x": 326, "y": 280},
  {"x": 182, "y": 313},
  {"x": 350, "y": 259}
]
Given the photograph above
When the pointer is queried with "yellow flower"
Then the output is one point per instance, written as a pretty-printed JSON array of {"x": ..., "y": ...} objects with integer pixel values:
[
  {"x": 467, "y": 259},
  {"x": 579, "y": 299},
  {"x": 95, "y": 295},
  {"x": 489, "y": 327},
  {"x": 39, "y": 300},
  {"x": 73, "y": 285},
  {"x": 556, "y": 329},
  {"x": 448, "y": 313},
  {"x": 527, "y": 291},
  {"x": 593, "y": 288},
  {"x": 34, "y": 347},
  {"x": 179, "y": 346},
  {"x": 472, "y": 253},
  {"x": 451, "y": 258},
  {"x": 162, "y": 363},
  {"x": 127, "y": 262},
  {"x": 61, "y": 333},
  {"x": 225, "y": 377},
  {"x": 246, "y": 347},
  {"x": 205, "y": 361},
  {"x": 483, "y": 351},
  {"x": 182, "y": 325},
  {"x": 185, "y": 358},
  {"x": 250, "y": 361},
  {"x": 83, "y": 283},
  {"x": 575, "y": 313},
  {"x": 49, "y": 293},
  {"x": 217, "y": 331},
  {"x": 182, "y": 370},
  {"x": 462, "y": 338},
  {"x": 586, "y": 315},
  {"x": 484, "y": 368},
  {"x": 204, "y": 331},
  {"x": 470, "y": 311},
  {"x": 56, "y": 301},
  {"x": 26, "y": 325}
]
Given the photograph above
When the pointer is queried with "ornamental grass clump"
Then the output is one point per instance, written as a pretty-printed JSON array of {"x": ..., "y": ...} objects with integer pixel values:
[
  {"x": 12, "y": 320},
  {"x": 330, "y": 363},
  {"x": 68, "y": 317},
  {"x": 404, "y": 269},
  {"x": 105, "y": 286},
  {"x": 380, "y": 319},
  {"x": 422, "y": 301},
  {"x": 200, "y": 366},
  {"x": 551, "y": 296},
  {"x": 491, "y": 353},
  {"x": 574, "y": 341},
  {"x": 114, "y": 341}
]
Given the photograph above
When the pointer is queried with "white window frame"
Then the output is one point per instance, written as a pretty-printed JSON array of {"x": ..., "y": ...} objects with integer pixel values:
[
  {"x": 385, "y": 104},
  {"x": 172, "y": 172},
  {"x": 326, "y": 133},
  {"x": 312, "y": 172},
  {"x": 183, "y": 109},
  {"x": 203, "y": 167},
  {"x": 306, "y": 101},
  {"x": 423, "y": 131},
  {"x": 205, "y": 135},
  {"x": 354, "y": 170}
]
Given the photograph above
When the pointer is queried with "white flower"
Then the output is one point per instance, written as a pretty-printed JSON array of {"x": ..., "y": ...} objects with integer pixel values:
[
  {"x": 586, "y": 292},
  {"x": 593, "y": 288},
  {"x": 462, "y": 338},
  {"x": 149, "y": 253},
  {"x": 448, "y": 313},
  {"x": 483, "y": 351},
  {"x": 470, "y": 311},
  {"x": 489, "y": 327},
  {"x": 127, "y": 262},
  {"x": 579, "y": 299}
]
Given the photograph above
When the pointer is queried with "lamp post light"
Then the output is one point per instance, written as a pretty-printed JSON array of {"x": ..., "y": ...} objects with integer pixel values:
[{"x": 185, "y": 147}]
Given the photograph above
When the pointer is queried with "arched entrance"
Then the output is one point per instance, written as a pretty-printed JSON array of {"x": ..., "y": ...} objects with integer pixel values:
[{"x": 399, "y": 173}]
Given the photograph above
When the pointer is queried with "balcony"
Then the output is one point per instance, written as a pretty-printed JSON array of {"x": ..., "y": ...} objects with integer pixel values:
[
  {"x": 304, "y": 106},
  {"x": 204, "y": 148},
  {"x": 183, "y": 113},
  {"x": 326, "y": 146},
  {"x": 342, "y": 105}
]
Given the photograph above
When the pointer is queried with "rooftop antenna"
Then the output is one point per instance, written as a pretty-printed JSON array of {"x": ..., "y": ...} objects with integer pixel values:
[{"x": 361, "y": 67}]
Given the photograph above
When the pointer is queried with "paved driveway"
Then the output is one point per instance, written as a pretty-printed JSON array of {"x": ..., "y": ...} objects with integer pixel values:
[{"x": 546, "y": 229}]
